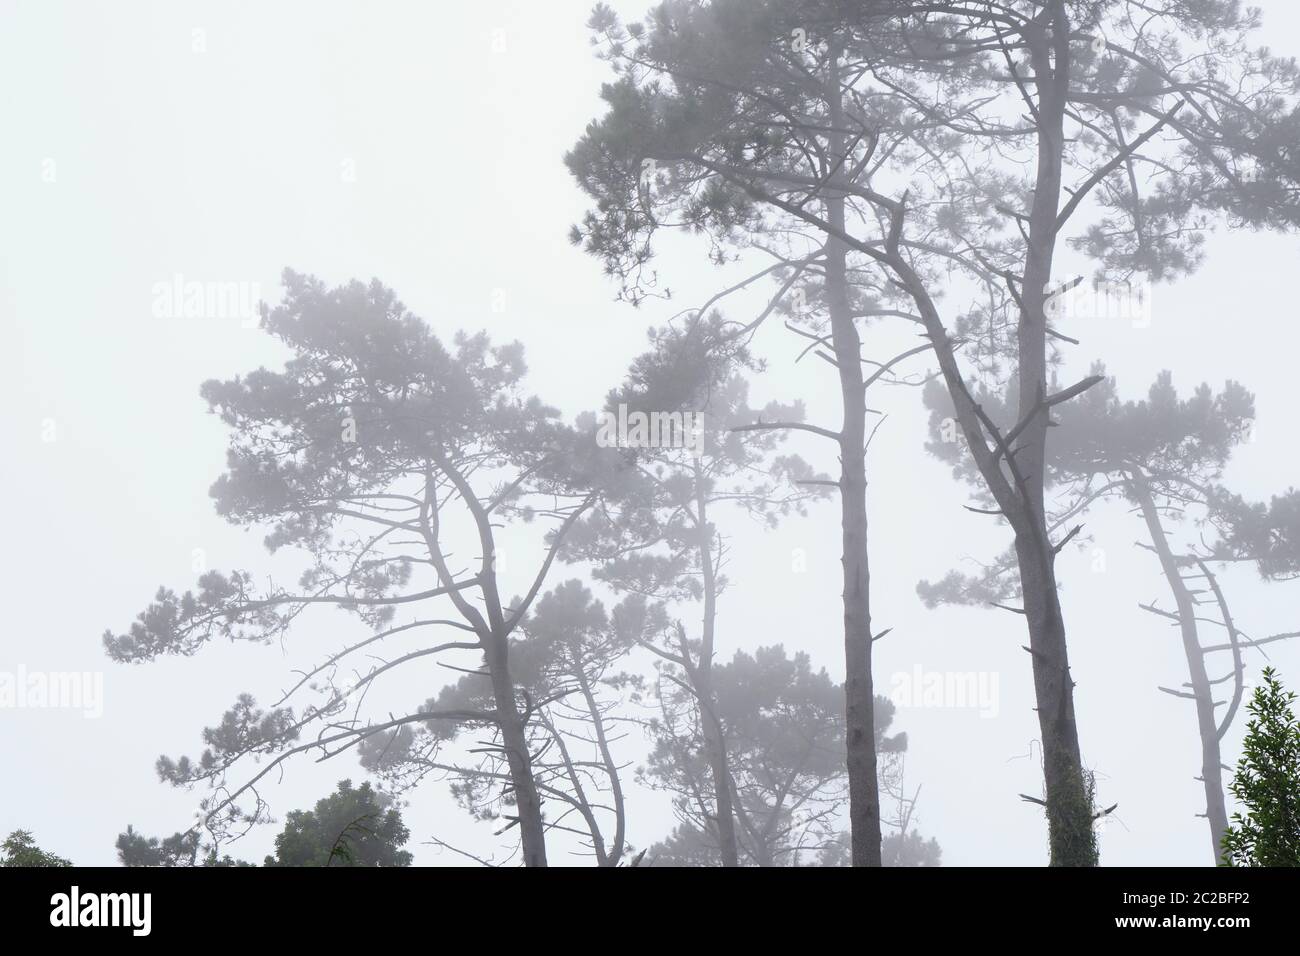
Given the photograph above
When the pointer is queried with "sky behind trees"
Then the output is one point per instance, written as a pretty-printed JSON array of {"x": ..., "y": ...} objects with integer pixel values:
[{"x": 423, "y": 145}]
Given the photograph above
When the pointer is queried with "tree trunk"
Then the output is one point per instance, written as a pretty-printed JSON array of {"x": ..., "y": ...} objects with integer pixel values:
[
  {"x": 615, "y": 854},
  {"x": 1071, "y": 839},
  {"x": 715, "y": 747},
  {"x": 1216, "y": 812},
  {"x": 715, "y": 744},
  {"x": 1068, "y": 795},
  {"x": 532, "y": 832},
  {"x": 859, "y": 693}
]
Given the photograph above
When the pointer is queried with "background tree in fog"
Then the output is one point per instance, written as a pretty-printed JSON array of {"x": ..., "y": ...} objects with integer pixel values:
[
  {"x": 926, "y": 148},
  {"x": 354, "y": 826},
  {"x": 183, "y": 848},
  {"x": 371, "y": 452},
  {"x": 784, "y": 726},
  {"x": 653, "y": 533}
]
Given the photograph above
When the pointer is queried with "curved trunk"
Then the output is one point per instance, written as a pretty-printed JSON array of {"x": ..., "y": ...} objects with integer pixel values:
[
  {"x": 1216, "y": 812},
  {"x": 615, "y": 854}
]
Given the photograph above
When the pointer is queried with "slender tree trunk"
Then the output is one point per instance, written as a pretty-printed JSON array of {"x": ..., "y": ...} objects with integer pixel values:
[
  {"x": 715, "y": 743},
  {"x": 1071, "y": 838},
  {"x": 581, "y": 804},
  {"x": 1216, "y": 812},
  {"x": 859, "y": 693},
  {"x": 716, "y": 751},
  {"x": 532, "y": 832},
  {"x": 611, "y": 770}
]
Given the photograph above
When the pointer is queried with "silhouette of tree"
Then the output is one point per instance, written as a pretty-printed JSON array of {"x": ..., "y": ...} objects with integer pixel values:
[
  {"x": 783, "y": 730},
  {"x": 361, "y": 453}
]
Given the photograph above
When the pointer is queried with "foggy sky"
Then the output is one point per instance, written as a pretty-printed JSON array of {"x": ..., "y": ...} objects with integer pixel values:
[{"x": 422, "y": 143}]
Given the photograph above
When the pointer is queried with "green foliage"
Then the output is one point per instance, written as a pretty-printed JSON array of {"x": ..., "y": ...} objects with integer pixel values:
[
  {"x": 179, "y": 849},
  {"x": 20, "y": 849},
  {"x": 1267, "y": 782},
  {"x": 351, "y": 827}
]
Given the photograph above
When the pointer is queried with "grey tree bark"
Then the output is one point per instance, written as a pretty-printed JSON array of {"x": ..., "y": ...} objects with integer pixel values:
[
  {"x": 532, "y": 832},
  {"x": 1211, "y": 778},
  {"x": 1067, "y": 794},
  {"x": 702, "y": 679},
  {"x": 859, "y": 692}
]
